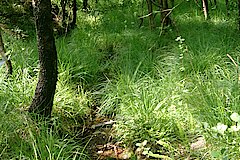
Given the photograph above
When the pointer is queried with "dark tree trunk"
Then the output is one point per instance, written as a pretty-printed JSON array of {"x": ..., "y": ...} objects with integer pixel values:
[
  {"x": 9, "y": 67},
  {"x": 4, "y": 57},
  {"x": 161, "y": 9},
  {"x": 205, "y": 9},
  {"x": 150, "y": 13},
  {"x": 172, "y": 3},
  {"x": 165, "y": 13},
  {"x": 44, "y": 94},
  {"x": 85, "y": 4},
  {"x": 74, "y": 9},
  {"x": 63, "y": 6}
]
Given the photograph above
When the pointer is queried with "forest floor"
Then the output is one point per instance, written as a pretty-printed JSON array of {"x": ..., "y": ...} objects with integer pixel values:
[{"x": 127, "y": 92}]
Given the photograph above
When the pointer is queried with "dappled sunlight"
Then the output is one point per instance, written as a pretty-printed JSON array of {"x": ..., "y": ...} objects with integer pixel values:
[
  {"x": 18, "y": 91},
  {"x": 94, "y": 20},
  {"x": 69, "y": 102},
  {"x": 222, "y": 21},
  {"x": 163, "y": 93}
]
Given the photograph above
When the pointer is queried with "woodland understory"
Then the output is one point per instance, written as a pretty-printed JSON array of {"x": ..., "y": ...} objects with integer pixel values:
[{"x": 137, "y": 79}]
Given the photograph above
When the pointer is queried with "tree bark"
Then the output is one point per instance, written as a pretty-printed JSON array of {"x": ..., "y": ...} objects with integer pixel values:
[
  {"x": 172, "y": 3},
  {"x": 63, "y": 6},
  {"x": 205, "y": 9},
  {"x": 4, "y": 57},
  {"x": 74, "y": 9},
  {"x": 165, "y": 13},
  {"x": 150, "y": 13},
  {"x": 85, "y": 5},
  {"x": 44, "y": 94}
]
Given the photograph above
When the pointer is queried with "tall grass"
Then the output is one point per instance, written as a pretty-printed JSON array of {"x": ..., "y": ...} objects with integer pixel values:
[
  {"x": 22, "y": 139},
  {"x": 158, "y": 89}
]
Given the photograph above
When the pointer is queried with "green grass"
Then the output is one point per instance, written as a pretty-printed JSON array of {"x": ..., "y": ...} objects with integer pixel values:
[
  {"x": 22, "y": 139},
  {"x": 158, "y": 89}
]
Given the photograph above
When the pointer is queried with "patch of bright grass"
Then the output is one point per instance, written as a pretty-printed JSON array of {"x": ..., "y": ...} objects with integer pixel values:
[{"x": 22, "y": 139}]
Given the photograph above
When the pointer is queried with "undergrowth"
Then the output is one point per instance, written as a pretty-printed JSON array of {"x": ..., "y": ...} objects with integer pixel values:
[{"x": 165, "y": 91}]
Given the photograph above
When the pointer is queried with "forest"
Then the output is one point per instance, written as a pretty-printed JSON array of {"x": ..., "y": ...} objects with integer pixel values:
[{"x": 119, "y": 79}]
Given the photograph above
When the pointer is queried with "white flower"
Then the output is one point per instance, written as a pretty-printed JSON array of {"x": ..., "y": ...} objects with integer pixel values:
[
  {"x": 234, "y": 128},
  {"x": 220, "y": 128},
  {"x": 235, "y": 117}
]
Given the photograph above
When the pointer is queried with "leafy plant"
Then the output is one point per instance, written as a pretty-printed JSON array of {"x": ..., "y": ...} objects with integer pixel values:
[
  {"x": 142, "y": 149},
  {"x": 228, "y": 137}
]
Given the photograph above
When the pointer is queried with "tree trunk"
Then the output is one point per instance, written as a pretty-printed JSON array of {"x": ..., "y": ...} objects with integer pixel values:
[
  {"x": 63, "y": 6},
  {"x": 74, "y": 9},
  {"x": 150, "y": 13},
  {"x": 44, "y": 94},
  {"x": 172, "y": 3},
  {"x": 4, "y": 57},
  {"x": 165, "y": 13},
  {"x": 205, "y": 9},
  {"x": 85, "y": 4}
]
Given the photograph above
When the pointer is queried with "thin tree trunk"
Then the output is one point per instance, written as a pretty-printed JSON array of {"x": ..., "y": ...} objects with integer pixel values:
[
  {"x": 150, "y": 12},
  {"x": 4, "y": 57},
  {"x": 44, "y": 94},
  {"x": 85, "y": 4},
  {"x": 165, "y": 15},
  {"x": 63, "y": 6},
  {"x": 161, "y": 10},
  {"x": 74, "y": 20},
  {"x": 205, "y": 9},
  {"x": 172, "y": 3}
]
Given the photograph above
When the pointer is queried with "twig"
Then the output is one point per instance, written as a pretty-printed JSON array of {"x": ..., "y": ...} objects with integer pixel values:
[
  {"x": 145, "y": 16},
  {"x": 103, "y": 124},
  {"x": 154, "y": 12},
  {"x": 232, "y": 60},
  {"x": 169, "y": 12},
  {"x": 236, "y": 65}
]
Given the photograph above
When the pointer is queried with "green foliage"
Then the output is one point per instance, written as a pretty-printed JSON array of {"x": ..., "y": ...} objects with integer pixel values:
[
  {"x": 150, "y": 109},
  {"x": 21, "y": 139},
  {"x": 164, "y": 92},
  {"x": 225, "y": 138},
  {"x": 17, "y": 15},
  {"x": 146, "y": 151},
  {"x": 111, "y": 4}
]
